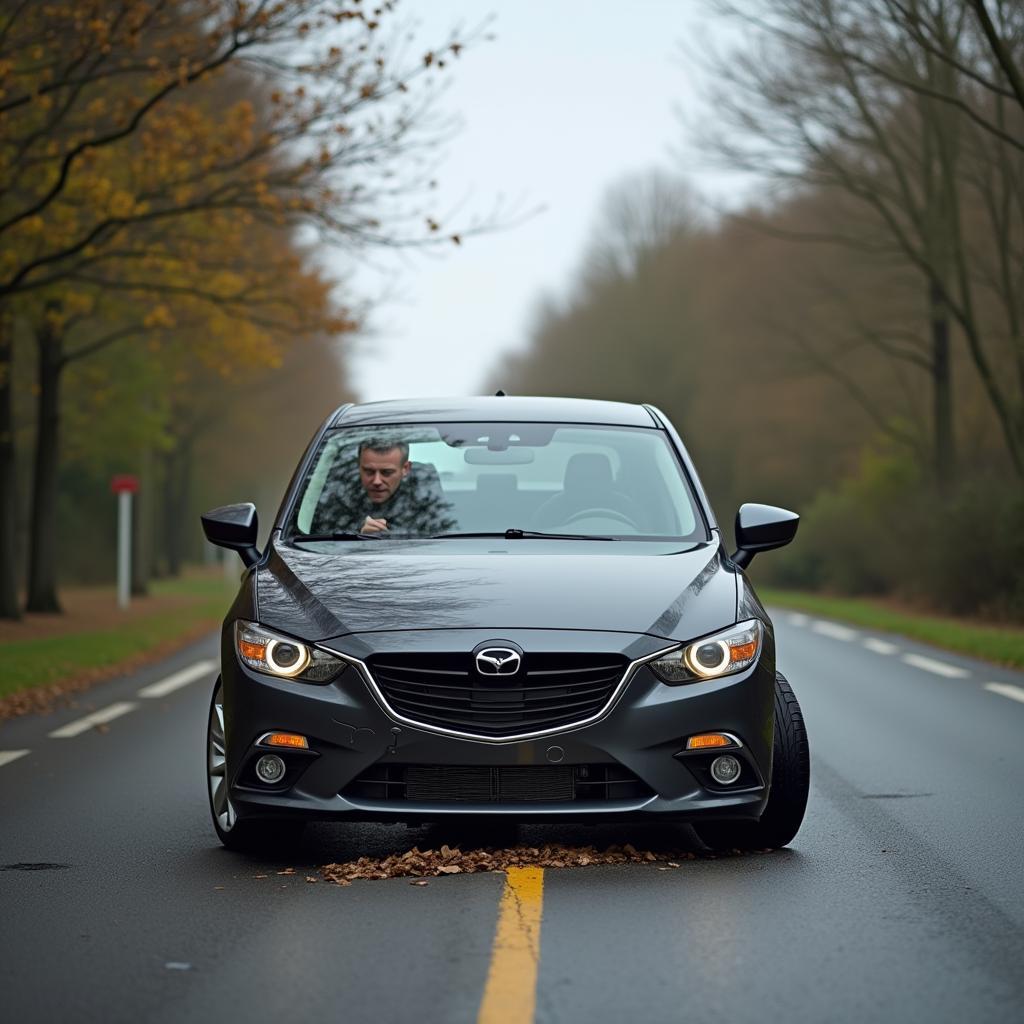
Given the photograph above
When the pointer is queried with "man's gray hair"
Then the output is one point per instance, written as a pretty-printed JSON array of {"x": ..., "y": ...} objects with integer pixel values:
[{"x": 383, "y": 445}]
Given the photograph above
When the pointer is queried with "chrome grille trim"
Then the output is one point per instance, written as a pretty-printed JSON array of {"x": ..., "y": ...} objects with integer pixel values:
[{"x": 375, "y": 690}]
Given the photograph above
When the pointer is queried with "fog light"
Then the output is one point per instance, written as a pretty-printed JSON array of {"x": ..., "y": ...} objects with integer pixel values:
[
  {"x": 270, "y": 768},
  {"x": 725, "y": 769}
]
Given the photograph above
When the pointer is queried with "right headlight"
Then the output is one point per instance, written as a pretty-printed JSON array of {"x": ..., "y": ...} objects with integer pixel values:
[
  {"x": 282, "y": 656},
  {"x": 730, "y": 650}
]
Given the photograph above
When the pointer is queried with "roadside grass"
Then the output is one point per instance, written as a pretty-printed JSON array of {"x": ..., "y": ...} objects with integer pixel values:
[
  {"x": 186, "y": 607},
  {"x": 1003, "y": 645}
]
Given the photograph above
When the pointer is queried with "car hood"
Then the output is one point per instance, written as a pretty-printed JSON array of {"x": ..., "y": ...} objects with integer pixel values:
[{"x": 334, "y": 590}]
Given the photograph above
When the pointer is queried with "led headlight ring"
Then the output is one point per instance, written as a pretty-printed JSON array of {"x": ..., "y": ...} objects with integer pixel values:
[
  {"x": 715, "y": 669},
  {"x": 276, "y": 667}
]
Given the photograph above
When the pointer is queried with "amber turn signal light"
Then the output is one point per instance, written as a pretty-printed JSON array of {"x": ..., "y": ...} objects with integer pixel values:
[
  {"x": 708, "y": 739},
  {"x": 286, "y": 739},
  {"x": 742, "y": 652},
  {"x": 250, "y": 650}
]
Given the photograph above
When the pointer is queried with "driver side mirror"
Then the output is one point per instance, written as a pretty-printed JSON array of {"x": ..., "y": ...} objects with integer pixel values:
[
  {"x": 234, "y": 527},
  {"x": 761, "y": 528}
]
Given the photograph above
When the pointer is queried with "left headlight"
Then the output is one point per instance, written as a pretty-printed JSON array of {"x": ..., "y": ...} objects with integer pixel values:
[
  {"x": 720, "y": 654},
  {"x": 273, "y": 653}
]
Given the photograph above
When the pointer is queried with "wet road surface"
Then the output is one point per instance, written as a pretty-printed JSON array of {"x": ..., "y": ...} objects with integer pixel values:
[{"x": 902, "y": 898}]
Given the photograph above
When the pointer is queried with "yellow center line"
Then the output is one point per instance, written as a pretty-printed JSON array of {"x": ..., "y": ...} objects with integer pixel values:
[{"x": 511, "y": 991}]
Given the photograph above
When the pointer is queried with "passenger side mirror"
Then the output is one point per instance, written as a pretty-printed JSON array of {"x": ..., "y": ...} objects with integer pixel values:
[
  {"x": 234, "y": 527},
  {"x": 761, "y": 528}
]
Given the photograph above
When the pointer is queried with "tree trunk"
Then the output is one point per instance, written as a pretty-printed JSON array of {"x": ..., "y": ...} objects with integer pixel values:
[
  {"x": 168, "y": 535},
  {"x": 9, "y": 608},
  {"x": 942, "y": 391},
  {"x": 42, "y": 566},
  {"x": 177, "y": 483}
]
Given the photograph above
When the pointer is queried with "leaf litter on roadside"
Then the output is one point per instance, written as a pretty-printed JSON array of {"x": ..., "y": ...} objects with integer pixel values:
[{"x": 449, "y": 860}]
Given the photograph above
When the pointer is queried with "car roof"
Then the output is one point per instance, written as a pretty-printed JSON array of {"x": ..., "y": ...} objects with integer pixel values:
[{"x": 496, "y": 408}]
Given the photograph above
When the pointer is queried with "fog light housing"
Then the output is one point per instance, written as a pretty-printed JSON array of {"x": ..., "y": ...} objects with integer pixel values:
[
  {"x": 725, "y": 770},
  {"x": 270, "y": 769}
]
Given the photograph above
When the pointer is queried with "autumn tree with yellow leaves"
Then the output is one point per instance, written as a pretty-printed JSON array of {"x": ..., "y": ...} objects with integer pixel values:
[{"x": 161, "y": 164}]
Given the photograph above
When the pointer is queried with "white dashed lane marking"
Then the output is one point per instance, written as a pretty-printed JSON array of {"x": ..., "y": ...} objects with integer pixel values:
[
  {"x": 7, "y": 756},
  {"x": 178, "y": 679},
  {"x": 879, "y": 646},
  {"x": 1007, "y": 690},
  {"x": 100, "y": 717},
  {"x": 834, "y": 630},
  {"x": 939, "y": 668},
  {"x": 933, "y": 665}
]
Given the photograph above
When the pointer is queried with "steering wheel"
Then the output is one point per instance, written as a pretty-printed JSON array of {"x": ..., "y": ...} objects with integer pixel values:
[{"x": 605, "y": 513}]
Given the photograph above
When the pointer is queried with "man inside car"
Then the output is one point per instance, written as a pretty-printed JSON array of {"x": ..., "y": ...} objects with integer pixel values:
[
  {"x": 399, "y": 495},
  {"x": 382, "y": 470}
]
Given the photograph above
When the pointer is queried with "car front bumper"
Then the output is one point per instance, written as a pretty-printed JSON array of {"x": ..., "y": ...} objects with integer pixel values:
[{"x": 642, "y": 736}]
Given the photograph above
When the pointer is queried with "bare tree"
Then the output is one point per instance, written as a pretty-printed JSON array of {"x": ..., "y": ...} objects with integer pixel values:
[
  {"x": 640, "y": 215},
  {"x": 876, "y": 100}
]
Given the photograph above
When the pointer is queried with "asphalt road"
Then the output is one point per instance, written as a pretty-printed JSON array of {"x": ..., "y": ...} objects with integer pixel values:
[{"x": 901, "y": 899}]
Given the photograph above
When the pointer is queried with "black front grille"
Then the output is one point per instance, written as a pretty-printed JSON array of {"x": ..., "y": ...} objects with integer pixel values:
[
  {"x": 548, "y": 692},
  {"x": 504, "y": 784}
]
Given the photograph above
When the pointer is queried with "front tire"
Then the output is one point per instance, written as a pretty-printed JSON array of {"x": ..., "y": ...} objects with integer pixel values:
[
  {"x": 787, "y": 799},
  {"x": 248, "y": 835}
]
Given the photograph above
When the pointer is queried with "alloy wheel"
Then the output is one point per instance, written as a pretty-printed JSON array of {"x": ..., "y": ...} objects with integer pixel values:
[{"x": 216, "y": 765}]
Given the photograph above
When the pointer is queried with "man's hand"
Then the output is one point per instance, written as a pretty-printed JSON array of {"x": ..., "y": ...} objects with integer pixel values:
[{"x": 371, "y": 525}]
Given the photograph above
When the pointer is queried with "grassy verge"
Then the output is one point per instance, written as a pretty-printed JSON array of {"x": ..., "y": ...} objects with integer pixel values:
[
  {"x": 1003, "y": 645},
  {"x": 182, "y": 609}
]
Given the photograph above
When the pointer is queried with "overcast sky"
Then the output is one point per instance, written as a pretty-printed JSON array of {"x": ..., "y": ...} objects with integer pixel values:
[{"x": 569, "y": 97}]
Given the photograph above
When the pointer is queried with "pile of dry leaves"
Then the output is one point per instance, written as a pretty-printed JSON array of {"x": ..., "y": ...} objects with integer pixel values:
[{"x": 448, "y": 860}]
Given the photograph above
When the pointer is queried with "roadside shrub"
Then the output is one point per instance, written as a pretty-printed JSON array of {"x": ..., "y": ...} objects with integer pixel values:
[
  {"x": 851, "y": 534},
  {"x": 887, "y": 531},
  {"x": 973, "y": 560}
]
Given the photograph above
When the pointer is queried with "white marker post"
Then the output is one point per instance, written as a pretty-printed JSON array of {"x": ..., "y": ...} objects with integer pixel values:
[{"x": 124, "y": 486}]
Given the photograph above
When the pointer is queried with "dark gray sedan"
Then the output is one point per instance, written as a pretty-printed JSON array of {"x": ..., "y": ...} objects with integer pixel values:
[{"x": 517, "y": 607}]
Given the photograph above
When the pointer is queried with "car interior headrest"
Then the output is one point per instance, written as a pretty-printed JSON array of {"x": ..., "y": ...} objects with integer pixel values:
[{"x": 588, "y": 471}]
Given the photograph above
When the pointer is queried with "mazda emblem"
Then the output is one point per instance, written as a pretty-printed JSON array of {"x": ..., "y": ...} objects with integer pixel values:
[{"x": 497, "y": 661}]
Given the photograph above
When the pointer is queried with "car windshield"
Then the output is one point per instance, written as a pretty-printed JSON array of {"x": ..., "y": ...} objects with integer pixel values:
[{"x": 525, "y": 479}]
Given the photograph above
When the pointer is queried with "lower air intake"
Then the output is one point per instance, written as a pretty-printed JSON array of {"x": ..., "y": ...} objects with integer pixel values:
[{"x": 506, "y": 784}]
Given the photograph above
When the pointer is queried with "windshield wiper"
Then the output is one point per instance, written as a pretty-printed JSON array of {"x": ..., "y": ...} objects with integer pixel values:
[
  {"x": 336, "y": 536},
  {"x": 515, "y": 534}
]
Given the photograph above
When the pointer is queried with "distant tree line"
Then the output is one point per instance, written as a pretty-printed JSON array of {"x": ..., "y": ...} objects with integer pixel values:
[
  {"x": 170, "y": 172},
  {"x": 851, "y": 344}
]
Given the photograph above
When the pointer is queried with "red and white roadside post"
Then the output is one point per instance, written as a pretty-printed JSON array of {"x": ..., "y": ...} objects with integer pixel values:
[{"x": 124, "y": 486}]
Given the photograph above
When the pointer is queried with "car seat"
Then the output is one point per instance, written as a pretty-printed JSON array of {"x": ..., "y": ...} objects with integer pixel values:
[{"x": 588, "y": 483}]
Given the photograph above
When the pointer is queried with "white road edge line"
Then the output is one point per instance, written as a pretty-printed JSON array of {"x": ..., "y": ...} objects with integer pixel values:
[
  {"x": 833, "y": 630},
  {"x": 7, "y": 756},
  {"x": 798, "y": 619},
  {"x": 1003, "y": 689},
  {"x": 100, "y": 717},
  {"x": 939, "y": 668},
  {"x": 879, "y": 646},
  {"x": 178, "y": 679}
]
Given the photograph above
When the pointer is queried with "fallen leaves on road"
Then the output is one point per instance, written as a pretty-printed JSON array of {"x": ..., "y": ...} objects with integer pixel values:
[{"x": 450, "y": 860}]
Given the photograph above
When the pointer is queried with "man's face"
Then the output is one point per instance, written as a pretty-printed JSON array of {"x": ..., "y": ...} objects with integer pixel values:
[{"x": 381, "y": 473}]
